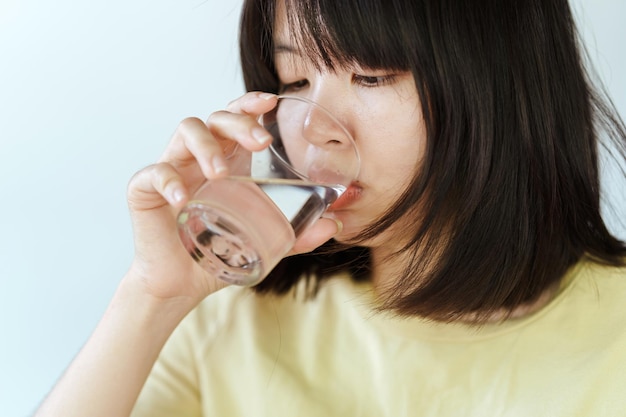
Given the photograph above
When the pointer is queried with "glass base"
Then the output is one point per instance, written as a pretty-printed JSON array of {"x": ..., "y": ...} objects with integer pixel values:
[{"x": 219, "y": 243}]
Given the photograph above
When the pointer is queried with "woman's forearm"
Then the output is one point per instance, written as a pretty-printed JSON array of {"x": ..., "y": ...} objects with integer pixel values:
[{"x": 107, "y": 375}]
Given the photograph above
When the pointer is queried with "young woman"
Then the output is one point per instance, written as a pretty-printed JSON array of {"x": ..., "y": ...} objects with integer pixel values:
[{"x": 471, "y": 274}]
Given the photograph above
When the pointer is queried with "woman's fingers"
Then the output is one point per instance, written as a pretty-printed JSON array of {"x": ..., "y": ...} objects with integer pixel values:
[
  {"x": 197, "y": 151},
  {"x": 157, "y": 186},
  {"x": 239, "y": 122},
  {"x": 193, "y": 145},
  {"x": 241, "y": 128},
  {"x": 254, "y": 103},
  {"x": 197, "y": 144}
]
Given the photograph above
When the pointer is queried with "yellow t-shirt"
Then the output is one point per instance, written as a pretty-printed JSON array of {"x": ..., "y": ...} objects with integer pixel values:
[{"x": 240, "y": 354}]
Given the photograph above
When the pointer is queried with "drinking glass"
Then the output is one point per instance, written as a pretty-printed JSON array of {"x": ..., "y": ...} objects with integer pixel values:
[{"x": 240, "y": 226}]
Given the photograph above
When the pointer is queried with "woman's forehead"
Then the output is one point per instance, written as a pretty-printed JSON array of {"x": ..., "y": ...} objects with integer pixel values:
[
  {"x": 281, "y": 27},
  {"x": 282, "y": 38},
  {"x": 330, "y": 35},
  {"x": 301, "y": 41}
]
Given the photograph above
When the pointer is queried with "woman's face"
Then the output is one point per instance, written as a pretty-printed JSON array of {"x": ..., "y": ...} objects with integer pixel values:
[{"x": 382, "y": 111}]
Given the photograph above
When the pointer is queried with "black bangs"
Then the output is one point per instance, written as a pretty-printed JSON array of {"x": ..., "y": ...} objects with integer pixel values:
[
  {"x": 347, "y": 33},
  {"x": 372, "y": 34},
  {"x": 507, "y": 195}
]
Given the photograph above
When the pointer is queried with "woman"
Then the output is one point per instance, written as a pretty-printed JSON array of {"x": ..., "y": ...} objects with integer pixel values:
[{"x": 472, "y": 274}]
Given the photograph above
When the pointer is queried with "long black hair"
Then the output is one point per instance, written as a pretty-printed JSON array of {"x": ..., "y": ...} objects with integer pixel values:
[{"x": 509, "y": 189}]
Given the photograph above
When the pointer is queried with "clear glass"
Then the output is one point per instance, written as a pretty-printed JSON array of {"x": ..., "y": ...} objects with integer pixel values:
[{"x": 239, "y": 227}]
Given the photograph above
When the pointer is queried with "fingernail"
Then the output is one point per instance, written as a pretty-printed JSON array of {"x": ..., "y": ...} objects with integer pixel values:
[
  {"x": 339, "y": 225},
  {"x": 267, "y": 96},
  {"x": 178, "y": 195},
  {"x": 261, "y": 135},
  {"x": 219, "y": 165}
]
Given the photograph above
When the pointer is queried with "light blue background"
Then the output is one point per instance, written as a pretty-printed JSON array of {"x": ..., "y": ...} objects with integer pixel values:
[{"x": 89, "y": 94}]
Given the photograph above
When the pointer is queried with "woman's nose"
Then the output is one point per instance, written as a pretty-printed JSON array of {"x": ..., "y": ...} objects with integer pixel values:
[
  {"x": 315, "y": 142},
  {"x": 322, "y": 129},
  {"x": 317, "y": 124}
]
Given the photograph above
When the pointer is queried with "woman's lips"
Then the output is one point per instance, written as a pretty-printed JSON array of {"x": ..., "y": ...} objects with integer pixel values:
[{"x": 352, "y": 193}]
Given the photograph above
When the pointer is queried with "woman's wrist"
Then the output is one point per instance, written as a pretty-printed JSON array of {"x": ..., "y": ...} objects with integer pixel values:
[
  {"x": 136, "y": 299},
  {"x": 126, "y": 342}
]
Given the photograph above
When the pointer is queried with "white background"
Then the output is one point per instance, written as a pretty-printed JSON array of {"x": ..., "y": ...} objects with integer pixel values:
[{"x": 90, "y": 93}]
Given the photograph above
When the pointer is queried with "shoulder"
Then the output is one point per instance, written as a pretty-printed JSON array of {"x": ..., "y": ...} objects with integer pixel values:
[
  {"x": 595, "y": 281},
  {"x": 592, "y": 299}
]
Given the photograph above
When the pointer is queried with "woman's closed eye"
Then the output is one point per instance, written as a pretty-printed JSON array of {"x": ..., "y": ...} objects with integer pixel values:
[
  {"x": 368, "y": 81},
  {"x": 373, "y": 80},
  {"x": 293, "y": 86}
]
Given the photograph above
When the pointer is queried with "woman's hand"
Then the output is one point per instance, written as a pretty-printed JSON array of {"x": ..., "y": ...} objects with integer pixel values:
[{"x": 156, "y": 194}]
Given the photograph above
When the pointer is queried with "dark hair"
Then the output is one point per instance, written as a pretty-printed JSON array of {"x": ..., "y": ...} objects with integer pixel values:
[{"x": 508, "y": 190}]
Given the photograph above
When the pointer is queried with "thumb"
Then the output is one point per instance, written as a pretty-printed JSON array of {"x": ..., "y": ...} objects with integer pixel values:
[{"x": 316, "y": 235}]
